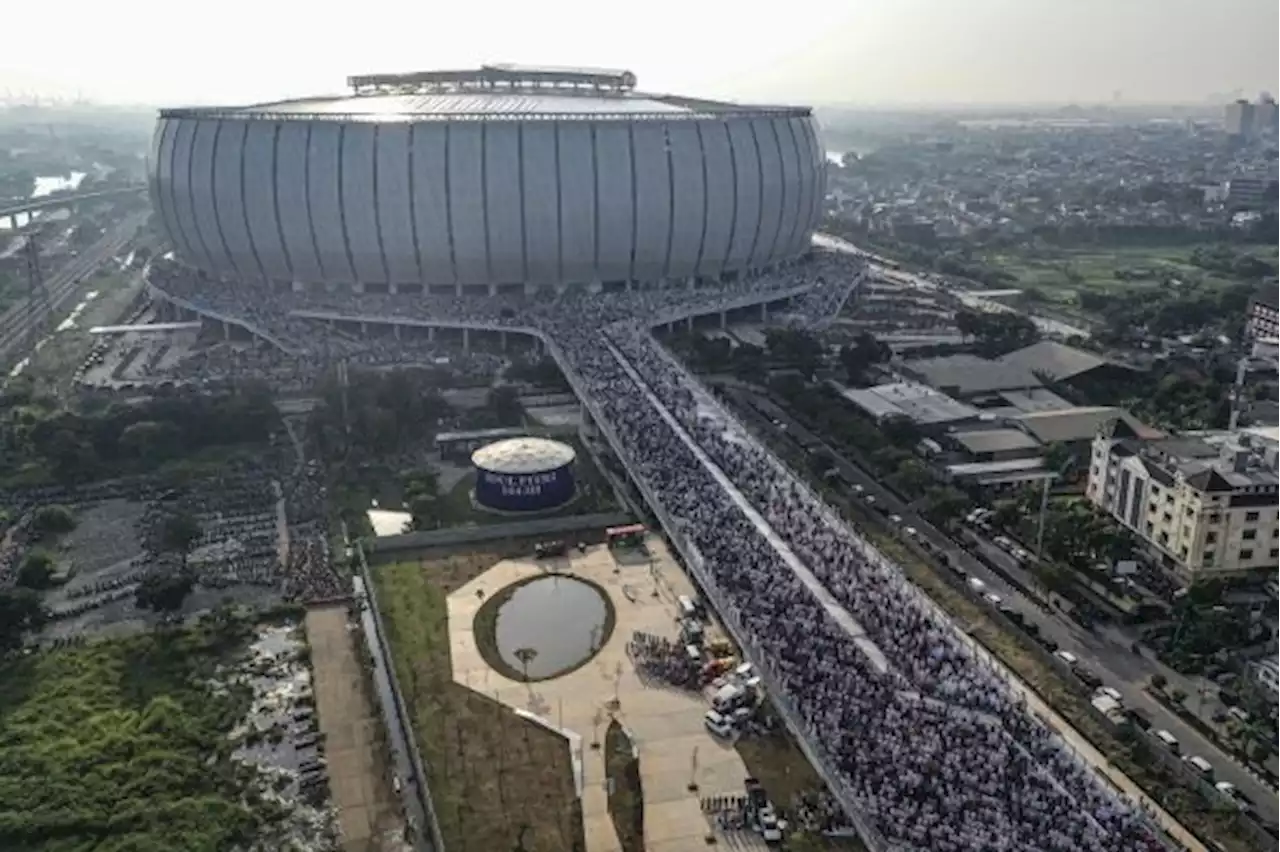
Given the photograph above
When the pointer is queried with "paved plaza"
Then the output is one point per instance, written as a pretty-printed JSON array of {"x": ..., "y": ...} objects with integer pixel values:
[{"x": 666, "y": 724}]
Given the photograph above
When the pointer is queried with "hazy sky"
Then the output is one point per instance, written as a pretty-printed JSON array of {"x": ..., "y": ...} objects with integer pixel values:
[{"x": 824, "y": 51}]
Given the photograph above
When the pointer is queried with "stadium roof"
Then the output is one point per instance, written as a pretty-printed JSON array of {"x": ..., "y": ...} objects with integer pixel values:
[
  {"x": 446, "y": 104},
  {"x": 1056, "y": 360},
  {"x": 491, "y": 92}
]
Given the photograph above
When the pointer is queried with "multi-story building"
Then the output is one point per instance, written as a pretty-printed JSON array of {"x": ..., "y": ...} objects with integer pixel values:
[
  {"x": 1246, "y": 193},
  {"x": 1263, "y": 321},
  {"x": 1238, "y": 118},
  {"x": 1265, "y": 115},
  {"x": 1205, "y": 504}
]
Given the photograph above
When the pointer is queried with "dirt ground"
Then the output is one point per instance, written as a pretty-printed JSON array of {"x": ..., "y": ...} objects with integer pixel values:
[{"x": 354, "y": 745}]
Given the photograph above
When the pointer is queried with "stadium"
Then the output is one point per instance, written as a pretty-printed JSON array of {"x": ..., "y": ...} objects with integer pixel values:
[
  {"x": 498, "y": 180},
  {"x": 524, "y": 475}
]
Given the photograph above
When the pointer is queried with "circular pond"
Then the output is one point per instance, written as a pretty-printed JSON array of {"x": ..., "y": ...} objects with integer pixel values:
[{"x": 544, "y": 627}]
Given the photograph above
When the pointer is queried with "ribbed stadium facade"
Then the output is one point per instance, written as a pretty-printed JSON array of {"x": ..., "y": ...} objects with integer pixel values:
[{"x": 487, "y": 179}]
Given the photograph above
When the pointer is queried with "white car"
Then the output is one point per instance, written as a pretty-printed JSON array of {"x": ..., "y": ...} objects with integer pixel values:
[
  {"x": 718, "y": 725},
  {"x": 1066, "y": 657},
  {"x": 993, "y": 599},
  {"x": 897, "y": 519},
  {"x": 976, "y": 584},
  {"x": 858, "y": 489},
  {"x": 1021, "y": 554},
  {"x": 1004, "y": 542},
  {"x": 1111, "y": 692},
  {"x": 911, "y": 532}
]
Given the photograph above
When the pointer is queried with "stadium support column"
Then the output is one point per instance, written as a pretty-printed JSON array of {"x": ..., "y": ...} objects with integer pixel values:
[
  {"x": 431, "y": 333},
  {"x": 398, "y": 328},
  {"x": 764, "y": 312},
  {"x": 688, "y": 323},
  {"x": 226, "y": 331},
  {"x": 466, "y": 340},
  {"x": 724, "y": 320}
]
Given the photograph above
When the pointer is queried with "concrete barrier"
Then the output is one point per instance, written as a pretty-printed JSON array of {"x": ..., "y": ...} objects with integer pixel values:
[{"x": 427, "y": 539}]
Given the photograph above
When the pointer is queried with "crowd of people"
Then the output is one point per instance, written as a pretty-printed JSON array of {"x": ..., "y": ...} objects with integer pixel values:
[
  {"x": 935, "y": 746},
  {"x": 926, "y": 742}
]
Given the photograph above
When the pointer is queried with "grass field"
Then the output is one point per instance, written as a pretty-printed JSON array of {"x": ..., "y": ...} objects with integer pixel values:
[
  {"x": 1060, "y": 273},
  {"x": 124, "y": 745},
  {"x": 498, "y": 781},
  {"x": 626, "y": 796}
]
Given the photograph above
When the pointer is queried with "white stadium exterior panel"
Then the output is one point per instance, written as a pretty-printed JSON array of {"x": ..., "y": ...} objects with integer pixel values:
[
  {"x": 395, "y": 210},
  {"x": 818, "y": 158},
  {"x": 359, "y": 202},
  {"x": 617, "y": 208},
  {"x": 204, "y": 199},
  {"x": 576, "y": 169},
  {"x": 653, "y": 200},
  {"x": 790, "y": 185},
  {"x": 228, "y": 198},
  {"x": 439, "y": 194},
  {"x": 772, "y": 191},
  {"x": 745, "y": 158},
  {"x": 293, "y": 200},
  {"x": 184, "y": 194},
  {"x": 429, "y": 182},
  {"x": 161, "y": 178},
  {"x": 689, "y": 207},
  {"x": 722, "y": 196},
  {"x": 466, "y": 202},
  {"x": 261, "y": 208},
  {"x": 541, "y": 204},
  {"x": 806, "y": 182},
  {"x": 324, "y": 195},
  {"x": 502, "y": 207}
]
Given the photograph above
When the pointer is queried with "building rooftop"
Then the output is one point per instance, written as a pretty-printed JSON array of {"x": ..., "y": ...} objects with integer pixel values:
[
  {"x": 452, "y": 104},
  {"x": 995, "y": 441},
  {"x": 1034, "y": 400},
  {"x": 1079, "y": 423},
  {"x": 1057, "y": 361},
  {"x": 1223, "y": 462},
  {"x": 968, "y": 375},
  {"x": 919, "y": 403}
]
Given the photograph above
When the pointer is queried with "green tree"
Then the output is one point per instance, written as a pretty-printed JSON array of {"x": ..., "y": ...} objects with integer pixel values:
[
  {"x": 504, "y": 402},
  {"x": 164, "y": 593},
  {"x": 1159, "y": 681},
  {"x": 36, "y": 570},
  {"x": 52, "y": 520},
  {"x": 150, "y": 441},
  {"x": 20, "y": 614},
  {"x": 179, "y": 533},
  {"x": 945, "y": 502}
]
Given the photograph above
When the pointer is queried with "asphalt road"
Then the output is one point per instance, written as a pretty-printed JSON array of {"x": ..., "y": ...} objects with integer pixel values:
[
  {"x": 1106, "y": 653},
  {"x": 61, "y": 284}
]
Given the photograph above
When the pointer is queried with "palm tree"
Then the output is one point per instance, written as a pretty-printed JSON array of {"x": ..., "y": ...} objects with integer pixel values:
[{"x": 526, "y": 656}]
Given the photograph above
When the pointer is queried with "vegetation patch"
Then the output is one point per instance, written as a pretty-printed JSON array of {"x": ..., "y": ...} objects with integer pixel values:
[
  {"x": 626, "y": 794},
  {"x": 123, "y": 745},
  {"x": 498, "y": 781}
]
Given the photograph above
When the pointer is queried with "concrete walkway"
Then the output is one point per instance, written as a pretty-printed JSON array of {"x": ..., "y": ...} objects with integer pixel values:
[{"x": 665, "y": 724}]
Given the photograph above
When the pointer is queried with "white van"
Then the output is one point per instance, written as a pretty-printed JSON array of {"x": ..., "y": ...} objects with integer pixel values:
[
  {"x": 1170, "y": 741},
  {"x": 688, "y": 609},
  {"x": 1066, "y": 657},
  {"x": 1201, "y": 765},
  {"x": 728, "y": 697}
]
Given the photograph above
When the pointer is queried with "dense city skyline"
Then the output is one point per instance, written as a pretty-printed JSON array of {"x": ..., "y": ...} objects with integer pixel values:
[{"x": 879, "y": 52}]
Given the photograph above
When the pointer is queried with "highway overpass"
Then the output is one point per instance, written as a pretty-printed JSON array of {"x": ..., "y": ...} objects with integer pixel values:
[{"x": 49, "y": 202}]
